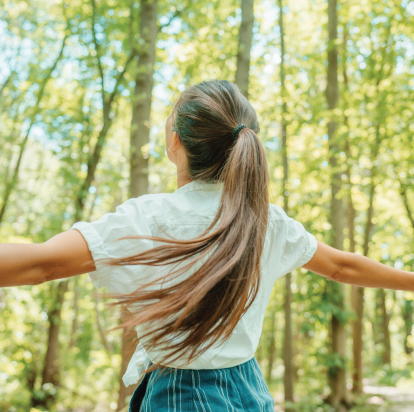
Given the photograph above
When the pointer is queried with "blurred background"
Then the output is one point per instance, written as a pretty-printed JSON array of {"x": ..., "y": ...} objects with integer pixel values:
[{"x": 85, "y": 89}]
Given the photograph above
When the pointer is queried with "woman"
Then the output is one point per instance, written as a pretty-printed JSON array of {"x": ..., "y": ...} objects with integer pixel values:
[{"x": 207, "y": 255}]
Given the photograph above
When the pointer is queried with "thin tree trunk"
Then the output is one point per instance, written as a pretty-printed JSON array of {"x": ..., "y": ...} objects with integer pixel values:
[
  {"x": 9, "y": 155},
  {"x": 259, "y": 352},
  {"x": 101, "y": 331},
  {"x": 336, "y": 375},
  {"x": 6, "y": 82},
  {"x": 404, "y": 197},
  {"x": 126, "y": 354},
  {"x": 10, "y": 185},
  {"x": 141, "y": 109},
  {"x": 408, "y": 309},
  {"x": 139, "y": 137},
  {"x": 376, "y": 329},
  {"x": 272, "y": 346},
  {"x": 385, "y": 320},
  {"x": 407, "y": 314},
  {"x": 72, "y": 341},
  {"x": 51, "y": 364},
  {"x": 288, "y": 357},
  {"x": 357, "y": 293},
  {"x": 245, "y": 44}
]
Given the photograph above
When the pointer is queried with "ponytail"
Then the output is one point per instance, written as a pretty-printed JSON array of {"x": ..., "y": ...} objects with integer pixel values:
[{"x": 197, "y": 311}]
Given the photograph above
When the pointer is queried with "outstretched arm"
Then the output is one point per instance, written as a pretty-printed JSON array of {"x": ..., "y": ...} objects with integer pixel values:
[
  {"x": 64, "y": 255},
  {"x": 346, "y": 267}
]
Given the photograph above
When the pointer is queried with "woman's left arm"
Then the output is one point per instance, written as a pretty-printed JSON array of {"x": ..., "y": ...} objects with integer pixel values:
[{"x": 64, "y": 255}]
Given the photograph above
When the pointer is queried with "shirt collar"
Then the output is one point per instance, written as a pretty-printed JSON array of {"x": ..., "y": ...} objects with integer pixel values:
[{"x": 199, "y": 185}]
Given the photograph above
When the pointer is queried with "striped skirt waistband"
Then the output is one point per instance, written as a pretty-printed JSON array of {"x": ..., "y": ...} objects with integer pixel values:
[{"x": 239, "y": 388}]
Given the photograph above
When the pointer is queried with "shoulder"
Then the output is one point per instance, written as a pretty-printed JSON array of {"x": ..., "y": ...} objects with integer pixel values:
[
  {"x": 177, "y": 208},
  {"x": 162, "y": 206},
  {"x": 276, "y": 213},
  {"x": 147, "y": 203}
]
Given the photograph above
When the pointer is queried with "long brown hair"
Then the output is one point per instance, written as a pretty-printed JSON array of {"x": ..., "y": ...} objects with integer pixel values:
[{"x": 204, "y": 307}]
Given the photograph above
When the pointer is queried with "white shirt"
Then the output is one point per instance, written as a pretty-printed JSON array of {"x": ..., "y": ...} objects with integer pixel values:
[{"x": 184, "y": 214}]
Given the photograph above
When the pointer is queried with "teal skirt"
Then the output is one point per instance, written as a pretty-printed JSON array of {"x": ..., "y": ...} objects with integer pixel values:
[{"x": 240, "y": 388}]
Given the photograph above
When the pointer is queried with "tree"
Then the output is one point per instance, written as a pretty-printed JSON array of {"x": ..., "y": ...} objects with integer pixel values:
[
  {"x": 336, "y": 372},
  {"x": 245, "y": 44},
  {"x": 51, "y": 362},
  {"x": 288, "y": 335},
  {"x": 10, "y": 184},
  {"x": 139, "y": 138}
]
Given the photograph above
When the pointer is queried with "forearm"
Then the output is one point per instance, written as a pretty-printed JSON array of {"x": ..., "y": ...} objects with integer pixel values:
[
  {"x": 20, "y": 264},
  {"x": 362, "y": 271}
]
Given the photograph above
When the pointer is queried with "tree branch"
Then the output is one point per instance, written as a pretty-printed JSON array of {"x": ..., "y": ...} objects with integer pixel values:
[{"x": 95, "y": 42}]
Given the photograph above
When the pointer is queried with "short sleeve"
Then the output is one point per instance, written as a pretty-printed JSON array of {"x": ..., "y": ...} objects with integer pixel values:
[
  {"x": 300, "y": 246},
  {"x": 290, "y": 245},
  {"x": 101, "y": 237}
]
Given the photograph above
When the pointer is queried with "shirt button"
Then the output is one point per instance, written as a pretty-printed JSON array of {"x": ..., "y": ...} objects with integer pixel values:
[{"x": 140, "y": 364}]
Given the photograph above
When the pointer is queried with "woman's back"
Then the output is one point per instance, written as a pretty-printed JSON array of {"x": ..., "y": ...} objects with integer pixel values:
[{"x": 185, "y": 214}]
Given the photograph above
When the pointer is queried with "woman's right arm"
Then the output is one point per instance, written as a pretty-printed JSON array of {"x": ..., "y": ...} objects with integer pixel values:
[
  {"x": 64, "y": 255},
  {"x": 346, "y": 267}
]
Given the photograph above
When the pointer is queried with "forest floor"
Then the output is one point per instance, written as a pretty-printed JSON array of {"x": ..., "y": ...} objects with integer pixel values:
[
  {"x": 390, "y": 398},
  {"x": 381, "y": 398}
]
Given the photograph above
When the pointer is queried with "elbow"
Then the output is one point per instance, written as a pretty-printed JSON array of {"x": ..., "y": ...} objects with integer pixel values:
[
  {"x": 338, "y": 274},
  {"x": 38, "y": 281},
  {"x": 39, "y": 276}
]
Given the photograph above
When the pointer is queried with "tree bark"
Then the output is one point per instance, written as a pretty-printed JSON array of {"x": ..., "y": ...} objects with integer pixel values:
[
  {"x": 288, "y": 357},
  {"x": 245, "y": 44},
  {"x": 336, "y": 375},
  {"x": 139, "y": 137},
  {"x": 141, "y": 109},
  {"x": 101, "y": 330},
  {"x": 357, "y": 293},
  {"x": 404, "y": 197},
  {"x": 51, "y": 364},
  {"x": 72, "y": 340},
  {"x": 272, "y": 346},
  {"x": 126, "y": 354},
  {"x": 385, "y": 320},
  {"x": 408, "y": 309},
  {"x": 407, "y": 313}
]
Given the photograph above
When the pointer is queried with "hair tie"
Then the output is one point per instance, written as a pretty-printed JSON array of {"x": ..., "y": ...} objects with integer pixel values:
[{"x": 237, "y": 129}]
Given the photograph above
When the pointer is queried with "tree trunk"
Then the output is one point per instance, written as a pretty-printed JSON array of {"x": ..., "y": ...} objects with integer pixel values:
[
  {"x": 139, "y": 137},
  {"x": 10, "y": 185},
  {"x": 101, "y": 330},
  {"x": 72, "y": 340},
  {"x": 385, "y": 320},
  {"x": 376, "y": 328},
  {"x": 272, "y": 346},
  {"x": 126, "y": 354},
  {"x": 288, "y": 357},
  {"x": 407, "y": 313},
  {"x": 357, "y": 292},
  {"x": 141, "y": 109},
  {"x": 245, "y": 44},
  {"x": 357, "y": 296},
  {"x": 51, "y": 363},
  {"x": 336, "y": 375},
  {"x": 407, "y": 309},
  {"x": 259, "y": 352}
]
